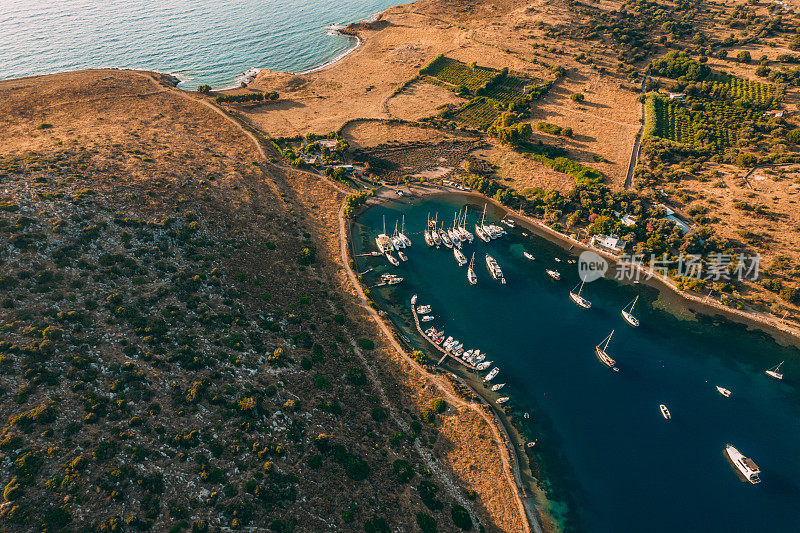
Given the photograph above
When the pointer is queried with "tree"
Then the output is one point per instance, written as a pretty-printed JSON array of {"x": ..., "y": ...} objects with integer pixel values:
[
  {"x": 743, "y": 57},
  {"x": 461, "y": 517},
  {"x": 426, "y": 523},
  {"x": 577, "y": 97},
  {"x": 205, "y": 89}
]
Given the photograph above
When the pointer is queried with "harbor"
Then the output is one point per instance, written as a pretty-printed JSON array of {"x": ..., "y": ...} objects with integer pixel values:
[{"x": 544, "y": 343}]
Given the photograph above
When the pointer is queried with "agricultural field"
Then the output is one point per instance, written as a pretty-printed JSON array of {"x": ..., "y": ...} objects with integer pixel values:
[
  {"x": 456, "y": 73},
  {"x": 715, "y": 115},
  {"x": 479, "y": 113}
]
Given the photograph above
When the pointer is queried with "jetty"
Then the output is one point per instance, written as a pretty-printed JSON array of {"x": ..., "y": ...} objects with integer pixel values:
[{"x": 445, "y": 353}]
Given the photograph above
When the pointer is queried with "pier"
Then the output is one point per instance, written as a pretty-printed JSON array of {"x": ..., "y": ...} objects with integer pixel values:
[{"x": 445, "y": 353}]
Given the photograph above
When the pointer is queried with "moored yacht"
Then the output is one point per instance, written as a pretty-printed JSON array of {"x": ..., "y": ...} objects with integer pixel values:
[
  {"x": 480, "y": 233},
  {"x": 627, "y": 314},
  {"x": 555, "y": 274},
  {"x": 483, "y": 366},
  {"x": 528, "y": 256},
  {"x": 392, "y": 259},
  {"x": 745, "y": 465},
  {"x": 423, "y": 309},
  {"x": 390, "y": 279},
  {"x": 497, "y": 387},
  {"x": 471, "y": 276},
  {"x": 494, "y": 269},
  {"x": 445, "y": 239},
  {"x": 492, "y": 374},
  {"x": 460, "y": 258},
  {"x": 503, "y": 400},
  {"x": 725, "y": 392},
  {"x": 426, "y": 318},
  {"x": 603, "y": 355},
  {"x": 775, "y": 372},
  {"x": 402, "y": 235},
  {"x": 402, "y": 256},
  {"x": 578, "y": 299}
]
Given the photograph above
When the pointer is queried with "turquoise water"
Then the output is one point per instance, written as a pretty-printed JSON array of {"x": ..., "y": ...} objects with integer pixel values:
[
  {"x": 201, "y": 41},
  {"x": 606, "y": 452}
]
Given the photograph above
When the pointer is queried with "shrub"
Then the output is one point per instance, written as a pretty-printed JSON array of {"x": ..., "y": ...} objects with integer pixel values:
[
  {"x": 420, "y": 357},
  {"x": 438, "y": 405},
  {"x": 426, "y": 523},
  {"x": 577, "y": 97},
  {"x": 403, "y": 471},
  {"x": 461, "y": 517},
  {"x": 743, "y": 57},
  {"x": 307, "y": 256},
  {"x": 427, "y": 493},
  {"x": 379, "y": 414},
  {"x": 205, "y": 89},
  {"x": 366, "y": 344}
]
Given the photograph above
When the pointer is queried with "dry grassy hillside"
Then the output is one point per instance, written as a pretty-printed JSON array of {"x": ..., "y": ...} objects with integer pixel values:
[{"x": 175, "y": 347}]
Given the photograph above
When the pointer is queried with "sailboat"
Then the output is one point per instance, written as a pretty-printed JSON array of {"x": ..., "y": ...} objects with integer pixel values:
[
  {"x": 627, "y": 314},
  {"x": 460, "y": 258},
  {"x": 445, "y": 239},
  {"x": 465, "y": 234},
  {"x": 383, "y": 241},
  {"x": 392, "y": 259},
  {"x": 402, "y": 235},
  {"x": 480, "y": 230},
  {"x": 578, "y": 299},
  {"x": 603, "y": 355},
  {"x": 494, "y": 269},
  {"x": 775, "y": 372},
  {"x": 396, "y": 240},
  {"x": 471, "y": 276}
]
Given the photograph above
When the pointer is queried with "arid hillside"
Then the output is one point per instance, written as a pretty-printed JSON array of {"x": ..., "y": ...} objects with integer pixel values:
[{"x": 176, "y": 347}]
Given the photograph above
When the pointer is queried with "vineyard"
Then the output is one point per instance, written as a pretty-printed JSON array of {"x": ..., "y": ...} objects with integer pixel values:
[
  {"x": 456, "y": 73},
  {"x": 720, "y": 85},
  {"x": 494, "y": 91}
]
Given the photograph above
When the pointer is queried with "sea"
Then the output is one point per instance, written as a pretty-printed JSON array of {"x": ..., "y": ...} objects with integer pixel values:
[
  {"x": 214, "y": 42},
  {"x": 603, "y": 452}
]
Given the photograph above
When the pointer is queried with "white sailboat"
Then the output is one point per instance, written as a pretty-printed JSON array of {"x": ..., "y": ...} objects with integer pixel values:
[
  {"x": 396, "y": 240},
  {"x": 578, "y": 299},
  {"x": 471, "y": 276},
  {"x": 445, "y": 239},
  {"x": 775, "y": 371},
  {"x": 460, "y": 257},
  {"x": 402, "y": 235},
  {"x": 603, "y": 355},
  {"x": 464, "y": 231},
  {"x": 481, "y": 229},
  {"x": 383, "y": 241},
  {"x": 627, "y": 314}
]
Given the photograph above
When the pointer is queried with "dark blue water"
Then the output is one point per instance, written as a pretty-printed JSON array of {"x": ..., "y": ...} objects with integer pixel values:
[
  {"x": 607, "y": 452},
  {"x": 200, "y": 41}
]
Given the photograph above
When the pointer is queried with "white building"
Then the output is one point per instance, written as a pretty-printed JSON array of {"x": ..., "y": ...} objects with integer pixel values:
[{"x": 611, "y": 243}]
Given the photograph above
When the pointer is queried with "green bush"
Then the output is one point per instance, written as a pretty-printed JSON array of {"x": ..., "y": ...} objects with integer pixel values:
[
  {"x": 403, "y": 471},
  {"x": 577, "y": 97},
  {"x": 420, "y": 357},
  {"x": 426, "y": 523},
  {"x": 438, "y": 405},
  {"x": 461, "y": 517},
  {"x": 366, "y": 344}
]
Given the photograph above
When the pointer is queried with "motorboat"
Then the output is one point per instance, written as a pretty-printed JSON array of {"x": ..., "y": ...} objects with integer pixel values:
[
  {"x": 392, "y": 259},
  {"x": 555, "y": 274},
  {"x": 664, "y": 411},
  {"x": 427, "y": 318},
  {"x": 423, "y": 309},
  {"x": 509, "y": 222},
  {"x": 403, "y": 257},
  {"x": 529, "y": 256},
  {"x": 775, "y": 372},
  {"x": 483, "y": 366},
  {"x": 492, "y": 374},
  {"x": 578, "y": 299},
  {"x": 746, "y": 466},
  {"x": 602, "y": 354},
  {"x": 722, "y": 390},
  {"x": 503, "y": 400},
  {"x": 391, "y": 279},
  {"x": 627, "y": 313},
  {"x": 494, "y": 269},
  {"x": 497, "y": 387}
]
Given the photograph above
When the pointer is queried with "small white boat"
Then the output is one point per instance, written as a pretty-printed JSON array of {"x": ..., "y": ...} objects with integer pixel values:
[
  {"x": 555, "y": 274},
  {"x": 445, "y": 239},
  {"x": 503, "y": 400},
  {"x": 460, "y": 258},
  {"x": 427, "y": 318},
  {"x": 578, "y": 299},
  {"x": 481, "y": 235},
  {"x": 664, "y": 411},
  {"x": 423, "y": 309},
  {"x": 414, "y": 299},
  {"x": 447, "y": 342},
  {"x": 775, "y": 371},
  {"x": 492, "y": 374},
  {"x": 402, "y": 235},
  {"x": 528, "y": 256},
  {"x": 437, "y": 240},
  {"x": 746, "y": 466},
  {"x": 403, "y": 256},
  {"x": 558, "y": 260},
  {"x": 627, "y": 314},
  {"x": 471, "y": 276},
  {"x": 508, "y": 222},
  {"x": 531, "y": 444},
  {"x": 391, "y": 279},
  {"x": 392, "y": 259},
  {"x": 725, "y": 392},
  {"x": 603, "y": 355},
  {"x": 479, "y": 357},
  {"x": 484, "y": 365},
  {"x": 497, "y": 387}
]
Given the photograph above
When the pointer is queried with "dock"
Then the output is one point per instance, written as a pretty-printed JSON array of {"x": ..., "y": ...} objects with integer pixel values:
[{"x": 445, "y": 353}]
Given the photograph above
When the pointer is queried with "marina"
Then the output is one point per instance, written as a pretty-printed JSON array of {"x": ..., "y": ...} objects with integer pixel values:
[{"x": 541, "y": 342}]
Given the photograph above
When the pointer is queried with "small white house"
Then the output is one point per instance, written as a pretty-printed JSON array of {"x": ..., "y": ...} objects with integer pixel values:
[
  {"x": 608, "y": 242},
  {"x": 677, "y": 96},
  {"x": 330, "y": 144},
  {"x": 628, "y": 220}
]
